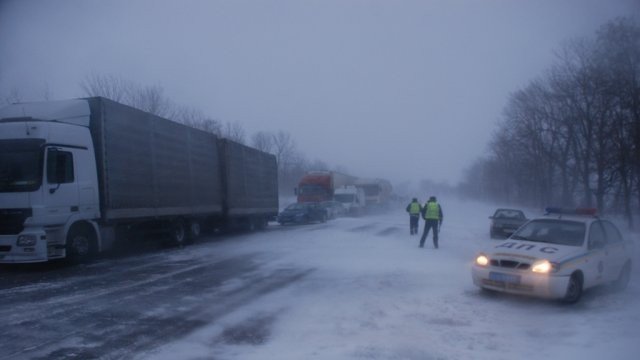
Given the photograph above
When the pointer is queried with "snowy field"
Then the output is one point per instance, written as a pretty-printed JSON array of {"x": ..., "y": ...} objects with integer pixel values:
[{"x": 371, "y": 293}]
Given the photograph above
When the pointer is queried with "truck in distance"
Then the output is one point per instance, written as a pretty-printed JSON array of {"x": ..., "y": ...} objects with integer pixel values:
[
  {"x": 318, "y": 186},
  {"x": 352, "y": 198}
]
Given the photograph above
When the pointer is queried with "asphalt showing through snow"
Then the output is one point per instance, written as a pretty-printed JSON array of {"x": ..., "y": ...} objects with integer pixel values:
[{"x": 120, "y": 306}]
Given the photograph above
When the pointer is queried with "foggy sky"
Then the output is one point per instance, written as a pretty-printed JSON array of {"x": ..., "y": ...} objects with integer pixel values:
[{"x": 402, "y": 90}]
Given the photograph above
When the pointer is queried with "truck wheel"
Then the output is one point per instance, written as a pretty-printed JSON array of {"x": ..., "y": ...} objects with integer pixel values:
[
  {"x": 79, "y": 244},
  {"x": 574, "y": 289},
  {"x": 178, "y": 233},
  {"x": 624, "y": 277}
]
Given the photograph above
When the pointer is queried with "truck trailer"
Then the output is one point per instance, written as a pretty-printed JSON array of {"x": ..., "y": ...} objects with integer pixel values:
[
  {"x": 377, "y": 191},
  {"x": 318, "y": 186},
  {"x": 75, "y": 175}
]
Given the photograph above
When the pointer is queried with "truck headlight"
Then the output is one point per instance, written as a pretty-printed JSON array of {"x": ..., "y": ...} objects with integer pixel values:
[
  {"x": 543, "y": 267},
  {"x": 27, "y": 240},
  {"x": 482, "y": 260}
]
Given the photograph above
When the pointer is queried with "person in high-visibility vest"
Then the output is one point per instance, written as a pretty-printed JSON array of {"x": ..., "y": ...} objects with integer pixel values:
[
  {"x": 414, "y": 209},
  {"x": 432, "y": 215}
]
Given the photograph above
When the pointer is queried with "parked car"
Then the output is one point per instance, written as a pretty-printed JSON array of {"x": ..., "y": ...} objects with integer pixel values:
[
  {"x": 505, "y": 221},
  {"x": 334, "y": 208},
  {"x": 302, "y": 213},
  {"x": 556, "y": 256}
]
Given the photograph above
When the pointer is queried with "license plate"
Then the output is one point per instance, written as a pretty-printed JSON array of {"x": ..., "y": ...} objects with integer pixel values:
[{"x": 505, "y": 278}]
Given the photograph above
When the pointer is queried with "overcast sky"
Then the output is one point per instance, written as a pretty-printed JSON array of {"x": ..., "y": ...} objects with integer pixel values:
[{"x": 402, "y": 90}]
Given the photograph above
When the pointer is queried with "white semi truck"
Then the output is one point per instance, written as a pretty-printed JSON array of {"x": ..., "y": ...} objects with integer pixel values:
[
  {"x": 76, "y": 175},
  {"x": 352, "y": 198}
]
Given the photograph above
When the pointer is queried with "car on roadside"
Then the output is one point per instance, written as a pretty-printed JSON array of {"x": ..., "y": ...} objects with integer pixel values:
[
  {"x": 556, "y": 256},
  {"x": 334, "y": 208},
  {"x": 302, "y": 213},
  {"x": 505, "y": 221}
]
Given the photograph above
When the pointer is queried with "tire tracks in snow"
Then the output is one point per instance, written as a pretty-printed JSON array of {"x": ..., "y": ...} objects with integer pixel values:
[{"x": 155, "y": 302}]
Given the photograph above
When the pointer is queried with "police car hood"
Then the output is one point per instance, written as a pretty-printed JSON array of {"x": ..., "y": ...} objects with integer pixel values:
[{"x": 533, "y": 250}]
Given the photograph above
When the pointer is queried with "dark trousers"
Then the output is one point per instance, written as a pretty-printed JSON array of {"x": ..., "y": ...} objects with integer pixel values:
[
  {"x": 413, "y": 223},
  {"x": 428, "y": 224}
]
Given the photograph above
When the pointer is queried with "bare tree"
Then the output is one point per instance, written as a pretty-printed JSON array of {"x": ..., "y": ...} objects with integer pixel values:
[
  {"x": 263, "y": 141},
  {"x": 46, "y": 92},
  {"x": 234, "y": 131},
  {"x": 284, "y": 148},
  {"x": 196, "y": 118},
  {"x": 109, "y": 86},
  {"x": 14, "y": 96},
  {"x": 147, "y": 98}
]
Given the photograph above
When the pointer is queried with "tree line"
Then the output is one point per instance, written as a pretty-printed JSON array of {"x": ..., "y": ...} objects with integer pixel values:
[{"x": 572, "y": 136}]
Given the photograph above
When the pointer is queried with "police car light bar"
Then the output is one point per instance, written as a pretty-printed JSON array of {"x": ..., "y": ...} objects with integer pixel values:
[{"x": 576, "y": 211}]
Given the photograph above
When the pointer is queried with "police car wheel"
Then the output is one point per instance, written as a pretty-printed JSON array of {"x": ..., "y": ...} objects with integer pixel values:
[{"x": 574, "y": 289}]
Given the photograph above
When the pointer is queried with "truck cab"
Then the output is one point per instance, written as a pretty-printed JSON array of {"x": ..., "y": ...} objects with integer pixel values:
[
  {"x": 48, "y": 180},
  {"x": 352, "y": 198}
]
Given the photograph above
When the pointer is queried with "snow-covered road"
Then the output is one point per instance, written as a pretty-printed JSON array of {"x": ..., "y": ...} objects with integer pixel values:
[
  {"x": 353, "y": 288},
  {"x": 373, "y": 294}
]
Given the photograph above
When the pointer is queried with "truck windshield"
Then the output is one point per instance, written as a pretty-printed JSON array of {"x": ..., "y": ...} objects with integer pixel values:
[
  {"x": 344, "y": 198},
  {"x": 21, "y": 165},
  {"x": 310, "y": 189}
]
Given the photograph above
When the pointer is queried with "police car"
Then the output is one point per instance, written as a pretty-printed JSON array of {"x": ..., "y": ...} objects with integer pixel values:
[{"x": 556, "y": 256}]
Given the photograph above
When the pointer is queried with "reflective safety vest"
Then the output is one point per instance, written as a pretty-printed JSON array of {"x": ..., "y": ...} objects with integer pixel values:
[
  {"x": 414, "y": 208},
  {"x": 432, "y": 210}
]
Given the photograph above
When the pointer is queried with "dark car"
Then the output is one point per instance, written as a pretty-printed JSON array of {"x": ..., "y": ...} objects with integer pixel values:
[
  {"x": 302, "y": 213},
  {"x": 505, "y": 222},
  {"x": 334, "y": 208}
]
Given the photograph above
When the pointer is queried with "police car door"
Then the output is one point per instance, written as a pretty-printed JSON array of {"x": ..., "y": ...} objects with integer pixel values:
[
  {"x": 594, "y": 271},
  {"x": 615, "y": 251}
]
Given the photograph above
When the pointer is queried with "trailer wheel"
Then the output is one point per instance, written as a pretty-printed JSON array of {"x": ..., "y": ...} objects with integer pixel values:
[
  {"x": 80, "y": 244},
  {"x": 195, "y": 230},
  {"x": 178, "y": 233}
]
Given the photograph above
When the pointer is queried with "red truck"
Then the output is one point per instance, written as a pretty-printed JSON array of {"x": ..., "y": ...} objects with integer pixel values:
[{"x": 317, "y": 186}]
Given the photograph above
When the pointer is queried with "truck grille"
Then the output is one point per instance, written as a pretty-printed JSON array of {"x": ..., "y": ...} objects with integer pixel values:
[
  {"x": 510, "y": 264},
  {"x": 12, "y": 220}
]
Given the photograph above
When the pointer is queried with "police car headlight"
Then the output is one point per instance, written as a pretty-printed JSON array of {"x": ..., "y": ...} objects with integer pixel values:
[
  {"x": 482, "y": 260},
  {"x": 543, "y": 267},
  {"x": 27, "y": 240}
]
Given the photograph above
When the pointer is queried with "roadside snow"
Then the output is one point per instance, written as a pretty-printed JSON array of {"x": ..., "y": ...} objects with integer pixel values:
[{"x": 373, "y": 294}]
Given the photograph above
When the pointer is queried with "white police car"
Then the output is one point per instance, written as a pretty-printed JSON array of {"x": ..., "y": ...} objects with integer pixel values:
[{"x": 556, "y": 256}]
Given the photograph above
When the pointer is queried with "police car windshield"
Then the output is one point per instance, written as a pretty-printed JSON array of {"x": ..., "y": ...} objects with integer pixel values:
[{"x": 554, "y": 231}]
